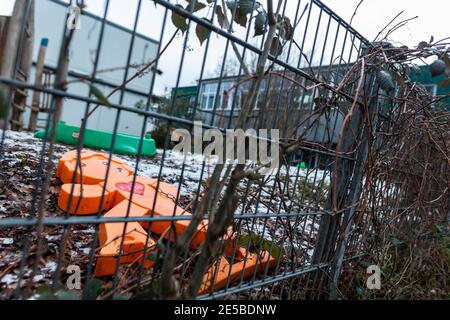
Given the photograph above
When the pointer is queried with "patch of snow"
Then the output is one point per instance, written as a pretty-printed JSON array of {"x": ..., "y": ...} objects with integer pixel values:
[
  {"x": 7, "y": 241},
  {"x": 38, "y": 278},
  {"x": 9, "y": 279},
  {"x": 52, "y": 238},
  {"x": 78, "y": 244},
  {"x": 90, "y": 230},
  {"x": 17, "y": 135},
  {"x": 49, "y": 266}
]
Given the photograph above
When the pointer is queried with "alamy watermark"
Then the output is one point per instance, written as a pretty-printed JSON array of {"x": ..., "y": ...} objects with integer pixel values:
[
  {"x": 74, "y": 280},
  {"x": 261, "y": 147},
  {"x": 74, "y": 18},
  {"x": 374, "y": 280}
]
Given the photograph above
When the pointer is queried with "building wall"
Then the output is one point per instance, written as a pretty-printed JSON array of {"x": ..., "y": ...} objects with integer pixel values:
[
  {"x": 433, "y": 85},
  {"x": 50, "y": 19},
  {"x": 280, "y": 105}
]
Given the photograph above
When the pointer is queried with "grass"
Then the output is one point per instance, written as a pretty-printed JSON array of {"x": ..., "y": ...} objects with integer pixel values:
[{"x": 414, "y": 266}]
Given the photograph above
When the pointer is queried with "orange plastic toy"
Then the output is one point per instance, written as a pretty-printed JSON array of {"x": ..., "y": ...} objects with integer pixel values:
[
  {"x": 93, "y": 165},
  {"x": 110, "y": 237},
  {"x": 85, "y": 198},
  {"x": 217, "y": 275}
]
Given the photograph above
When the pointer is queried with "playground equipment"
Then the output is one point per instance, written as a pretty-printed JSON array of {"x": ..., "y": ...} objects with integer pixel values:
[
  {"x": 124, "y": 143},
  {"x": 124, "y": 195}
]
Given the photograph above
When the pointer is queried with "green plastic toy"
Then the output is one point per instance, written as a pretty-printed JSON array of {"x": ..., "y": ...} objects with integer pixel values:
[
  {"x": 124, "y": 144},
  {"x": 303, "y": 166}
]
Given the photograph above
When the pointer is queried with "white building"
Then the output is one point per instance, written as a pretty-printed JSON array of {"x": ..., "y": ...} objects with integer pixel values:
[{"x": 50, "y": 20}]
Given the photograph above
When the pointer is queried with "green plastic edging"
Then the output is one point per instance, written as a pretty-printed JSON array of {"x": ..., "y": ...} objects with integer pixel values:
[
  {"x": 124, "y": 144},
  {"x": 302, "y": 166}
]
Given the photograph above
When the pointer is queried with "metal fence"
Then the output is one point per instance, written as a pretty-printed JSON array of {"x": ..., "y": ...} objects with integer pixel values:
[{"x": 289, "y": 214}]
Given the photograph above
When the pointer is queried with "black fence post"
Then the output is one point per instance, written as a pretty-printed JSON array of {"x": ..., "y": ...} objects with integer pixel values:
[{"x": 335, "y": 228}]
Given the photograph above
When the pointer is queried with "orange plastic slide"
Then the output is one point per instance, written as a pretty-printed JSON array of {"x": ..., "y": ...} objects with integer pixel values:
[
  {"x": 110, "y": 237},
  {"x": 122, "y": 198},
  {"x": 217, "y": 275}
]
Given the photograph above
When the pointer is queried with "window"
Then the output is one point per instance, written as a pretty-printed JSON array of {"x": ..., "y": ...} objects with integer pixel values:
[
  {"x": 431, "y": 88},
  {"x": 208, "y": 95},
  {"x": 226, "y": 86},
  {"x": 207, "y": 101},
  {"x": 308, "y": 99},
  {"x": 305, "y": 100},
  {"x": 263, "y": 94},
  {"x": 234, "y": 100}
]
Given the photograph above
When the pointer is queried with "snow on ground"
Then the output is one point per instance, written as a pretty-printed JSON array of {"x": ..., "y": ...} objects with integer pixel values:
[{"x": 296, "y": 191}]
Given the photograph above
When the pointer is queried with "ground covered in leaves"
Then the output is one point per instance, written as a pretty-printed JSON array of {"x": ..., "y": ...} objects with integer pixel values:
[{"x": 21, "y": 173}]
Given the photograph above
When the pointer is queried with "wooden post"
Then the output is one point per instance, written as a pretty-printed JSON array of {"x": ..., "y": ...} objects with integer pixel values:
[
  {"x": 9, "y": 48},
  {"x": 12, "y": 57},
  {"x": 35, "y": 105},
  {"x": 11, "y": 44},
  {"x": 4, "y": 21},
  {"x": 24, "y": 68}
]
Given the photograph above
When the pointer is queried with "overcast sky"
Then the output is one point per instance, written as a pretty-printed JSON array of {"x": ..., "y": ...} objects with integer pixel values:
[
  {"x": 373, "y": 15},
  {"x": 433, "y": 17}
]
